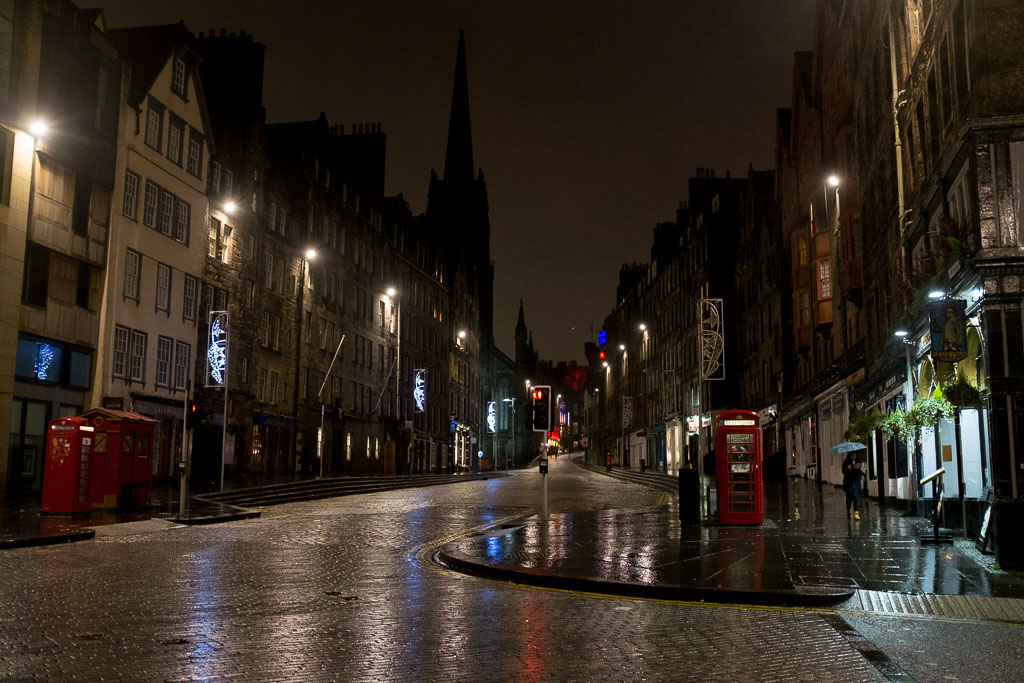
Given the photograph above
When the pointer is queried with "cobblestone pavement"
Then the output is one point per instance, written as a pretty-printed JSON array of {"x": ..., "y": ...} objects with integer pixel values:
[{"x": 336, "y": 590}]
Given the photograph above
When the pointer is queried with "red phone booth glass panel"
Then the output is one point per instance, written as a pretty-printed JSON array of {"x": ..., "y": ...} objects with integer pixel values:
[
  {"x": 66, "y": 477},
  {"x": 738, "y": 468}
]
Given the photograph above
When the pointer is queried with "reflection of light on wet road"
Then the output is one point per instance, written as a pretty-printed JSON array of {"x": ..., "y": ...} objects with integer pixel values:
[{"x": 203, "y": 612}]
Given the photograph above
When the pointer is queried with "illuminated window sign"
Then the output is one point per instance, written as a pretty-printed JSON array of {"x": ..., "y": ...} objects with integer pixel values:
[
  {"x": 602, "y": 337},
  {"x": 738, "y": 423},
  {"x": 39, "y": 360},
  {"x": 492, "y": 417},
  {"x": 217, "y": 350},
  {"x": 419, "y": 390}
]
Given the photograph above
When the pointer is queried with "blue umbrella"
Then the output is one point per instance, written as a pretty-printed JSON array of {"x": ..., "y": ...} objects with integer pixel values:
[{"x": 846, "y": 447}]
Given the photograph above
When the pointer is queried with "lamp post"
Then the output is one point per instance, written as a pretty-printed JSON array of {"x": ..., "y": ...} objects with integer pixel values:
[
  {"x": 392, "y": 294},
  {"x": 320, "y": 430},
  {"x": 307, "y": 256},
  {"x": 512, "y": 401}
]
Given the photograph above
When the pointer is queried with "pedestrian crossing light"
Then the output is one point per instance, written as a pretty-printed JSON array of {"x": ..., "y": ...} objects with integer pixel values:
[{"x": 541, "y": 396}]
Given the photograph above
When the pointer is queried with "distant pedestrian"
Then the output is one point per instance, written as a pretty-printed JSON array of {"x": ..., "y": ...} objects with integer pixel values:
[{"x": 853, "y": 479}]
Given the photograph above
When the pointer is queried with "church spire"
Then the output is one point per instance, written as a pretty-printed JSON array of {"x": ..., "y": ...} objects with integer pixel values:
[
  {"x": 521, "y": 323},
  {"x": 458, "y": 160}
]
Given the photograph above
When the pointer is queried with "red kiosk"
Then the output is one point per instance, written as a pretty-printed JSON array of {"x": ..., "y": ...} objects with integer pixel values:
[
  {"x": 69, "y": 442},
  {"x": 122, "y": 461},
  {"x": 738, "y": 468}
]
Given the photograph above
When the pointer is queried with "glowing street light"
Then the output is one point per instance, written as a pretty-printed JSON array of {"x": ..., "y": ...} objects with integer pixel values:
[
  {"x": 833, "y": 180},
  {"x": 643, "y": 326},
  {"x": 230, "y": 207},
  {"x": 936, "y": 294},
  {"x": 38, "y": 128},
  {"x": 310, "y": 254}
]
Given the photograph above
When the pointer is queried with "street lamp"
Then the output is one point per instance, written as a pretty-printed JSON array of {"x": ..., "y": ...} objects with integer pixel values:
[
  {"x": 392, "y": 294},
  {"x": 307, "y": 256},
  {"x": 38, "y": 128},
  {"x": 643, "y": 326},
  {"x": 229, "y": 207},
  {"x": 513, "y": 402}
]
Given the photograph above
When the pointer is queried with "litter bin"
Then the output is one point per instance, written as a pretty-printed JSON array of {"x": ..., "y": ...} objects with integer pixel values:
[{"x": 689, "y": 495}]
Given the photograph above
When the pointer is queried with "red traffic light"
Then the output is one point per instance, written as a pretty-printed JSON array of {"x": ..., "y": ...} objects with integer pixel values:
[
  {"x": 538, "y": 394},
  {"x": 601, "y": 355}
]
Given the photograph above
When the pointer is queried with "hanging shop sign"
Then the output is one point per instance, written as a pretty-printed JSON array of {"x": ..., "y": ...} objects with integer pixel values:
[
  {"x": 948, "y": 326},
  {"x": 419, "y": 390},
  {"x": 217, "y": 349}
]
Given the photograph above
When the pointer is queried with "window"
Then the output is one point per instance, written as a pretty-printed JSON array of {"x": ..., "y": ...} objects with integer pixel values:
[
  {"x": 250, "y": 293},
  {"x": 824, "y": 279},
  {"x": 188, "y": 304},
  {"x": 150, "y": 206},
  {"x": 265, "y": 329},
  {"x": 261, "y": 386},
  {"x": 229, "y": 180},
  {"x": 163, "y": 361},
  {"x": 276, "y": 333},
  {"x": 348, "y": 446},
  {"x": 268, "y": 270},
  {"x": 181, "y": 354},
  {"x": 802, "y": 252},
  {"x": 181, "y": 220},
  {"x": 279, "y": 275},
  {"x": 805, "y": 309},
  {"x": 130, "y": 206},
  {"x": 245, "y": 371},
  {"x": 137, "y": 357},
  {"x": 215, "y": 176},
  {"x": 6, "y": 164},
  {"x": 272, "y": 216},
  {"x": 36, "y": 278},
  {"x": 273, "y": 387},
  {"x": 178, "y": 77},
  {"x": 154, "y": 124},
  {"x": 217, "y": 243},
  {"x": 167, "y": 213},
  {"x": 304, "y": 383},
  {"x": 120, "y": 351},
  {"x": 281, "y": 220},
  {"x": 132, "y": 273},
  {"x": 175, "y": 133},
  {"x": 163, "y": 287},
  {"x": 195, "y": 153},
  {"x": 83, "y": 285}
]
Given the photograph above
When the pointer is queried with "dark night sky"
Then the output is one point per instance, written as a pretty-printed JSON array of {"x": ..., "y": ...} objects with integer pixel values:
[{"x": 587, "y": 123}]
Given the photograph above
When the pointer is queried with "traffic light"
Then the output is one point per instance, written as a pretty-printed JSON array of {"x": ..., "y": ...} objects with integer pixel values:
[
  {"x": 541, "y": 408},
  {"x": 192, "y": 418}
]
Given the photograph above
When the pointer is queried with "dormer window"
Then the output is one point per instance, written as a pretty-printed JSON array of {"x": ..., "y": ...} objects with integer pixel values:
[{"x": 178, "y": 77}]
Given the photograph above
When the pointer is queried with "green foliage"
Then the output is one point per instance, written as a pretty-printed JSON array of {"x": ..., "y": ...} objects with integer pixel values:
[
  {"x": 894, "y": 424},
  {"x": 862, "y": 423},
  {"x": 233, "y": 426},
  {"x": 926, "y": 412},
  {"x": 962, "y": 394}
]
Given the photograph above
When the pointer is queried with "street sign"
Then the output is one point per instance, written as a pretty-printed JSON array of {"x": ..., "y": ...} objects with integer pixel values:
[{"x": 543, "y": 465}]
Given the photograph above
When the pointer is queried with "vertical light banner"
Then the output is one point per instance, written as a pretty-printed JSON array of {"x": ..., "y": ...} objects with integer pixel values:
[
  {"x": 627, "y": 412},
  {"x": 492, "y": 417},
  {"x": 217, "y": 349},
  {"x": 419, "y": 390},
  {"x": 712, "y": 339}
]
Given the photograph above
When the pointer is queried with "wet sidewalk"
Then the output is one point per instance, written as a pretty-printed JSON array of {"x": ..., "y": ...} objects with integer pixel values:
[
  {"x": 807, "y": 552},
  {"x": 23, "y": 523}
]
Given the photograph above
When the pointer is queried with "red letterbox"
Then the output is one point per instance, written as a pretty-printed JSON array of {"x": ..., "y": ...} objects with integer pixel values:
[
  {"x": 738, "y": 468},
  {"x": 122, "y": 468},
  {"x": 69, "y": 442}
]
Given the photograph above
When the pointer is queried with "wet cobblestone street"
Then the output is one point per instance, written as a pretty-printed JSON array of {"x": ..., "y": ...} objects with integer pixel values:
[{"x": 338, "y": 589}]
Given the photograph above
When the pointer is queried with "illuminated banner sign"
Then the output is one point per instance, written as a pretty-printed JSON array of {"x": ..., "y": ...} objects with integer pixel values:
[
  {"x": 712, "y": 339},
  {"x": 217, "y": 349},
  {"x": 738, "y": 423},
  {"x": 602, "y": 337},
  {"x": 492, "y": 417},
  {"x": 419, "y": 390}
]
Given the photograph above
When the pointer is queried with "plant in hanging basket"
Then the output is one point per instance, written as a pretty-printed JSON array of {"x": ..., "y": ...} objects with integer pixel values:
[
  {"x": 962, "y": 394},
  {"x": 862, "y": 423},
  {"x": 927, "y": 411},
  {"x": 893, "y": 424}
]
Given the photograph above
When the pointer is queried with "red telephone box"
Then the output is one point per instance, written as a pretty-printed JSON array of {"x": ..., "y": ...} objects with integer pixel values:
[
  {"x": 738, "y": 465},
  {"x": 69, "y": 442},
  {"x": 122, "y": 467}
]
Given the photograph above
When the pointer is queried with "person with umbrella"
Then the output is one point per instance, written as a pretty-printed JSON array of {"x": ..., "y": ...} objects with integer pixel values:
[{"x": 853, "y": 480}]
